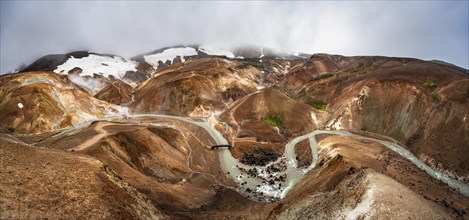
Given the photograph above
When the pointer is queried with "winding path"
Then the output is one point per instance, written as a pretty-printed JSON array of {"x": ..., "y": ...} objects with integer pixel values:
[
  {"x": 101, "y": 134},
  {"x": 294, "y": 174},
  {"x": 232, "y": 166}
]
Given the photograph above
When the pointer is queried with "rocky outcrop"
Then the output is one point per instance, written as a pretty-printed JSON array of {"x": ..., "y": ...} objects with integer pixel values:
[{"x": 117, "y": 92}]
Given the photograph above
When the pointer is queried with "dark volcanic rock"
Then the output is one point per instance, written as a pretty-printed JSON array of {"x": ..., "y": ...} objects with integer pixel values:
[
  {"x": 51, "y": 61},
  {"x": 76, "y": 70},
  {"x": 136, "y": 76},
  {"x": 46, "y": 63},
  {"x": 259, "y": 156}
]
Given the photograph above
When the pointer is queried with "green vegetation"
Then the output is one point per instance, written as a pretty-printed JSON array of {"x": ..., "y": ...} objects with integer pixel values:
[
  {"x": 11, "y": 130},
  {"x": 274, "y": 121},
  {"x": 430, "y": 85},
  {"x": 320, "y": 105},
  {"x": 325, "y": 75},
  {"x": 256, "y": 64},
  {"x": 436, "y": 97}
]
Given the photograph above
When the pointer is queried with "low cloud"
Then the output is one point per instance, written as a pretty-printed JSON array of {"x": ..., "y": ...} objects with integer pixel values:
[{"x": 425, "y": 30}]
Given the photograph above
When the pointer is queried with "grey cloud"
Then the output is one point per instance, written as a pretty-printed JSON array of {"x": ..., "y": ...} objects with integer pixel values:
[{"x": 426, "y": 30}]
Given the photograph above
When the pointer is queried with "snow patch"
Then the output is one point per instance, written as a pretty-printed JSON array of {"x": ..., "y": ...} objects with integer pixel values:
[
  {"x": 103, "y": 65},
  {"x": 335, "y": 124},
  {"x": 169, "y": 54},
  {"x": 117, "y": 110},
  {"x": 315, "y": 119},
  {"x": 210, "y": 50},
  {"x": 363, "y": 207},
  {"x": 92, "y": 85},
  {"x": 20, "y": 105},
  {"x": 299, "y": 55},
  {"x": 358, "y": 100},
  {"x": 130, "y": 83}
]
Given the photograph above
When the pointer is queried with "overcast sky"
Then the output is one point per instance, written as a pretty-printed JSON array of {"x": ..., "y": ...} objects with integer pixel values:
[{"x": 425, "y": 30}]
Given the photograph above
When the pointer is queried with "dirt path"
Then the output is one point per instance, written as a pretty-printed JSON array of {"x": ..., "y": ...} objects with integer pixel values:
[
  {"x": 101, "y": 134},
  {"x": 229, "y": 163}
]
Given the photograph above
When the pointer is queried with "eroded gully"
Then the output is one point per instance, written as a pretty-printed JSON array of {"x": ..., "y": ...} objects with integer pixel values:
[
  {"x": 258, "y": 186},
  {"x": 255, "y": 182}
]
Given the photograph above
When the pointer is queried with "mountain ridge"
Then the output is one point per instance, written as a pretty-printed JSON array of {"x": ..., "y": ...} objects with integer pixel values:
[{"x": 152, "y": 125}]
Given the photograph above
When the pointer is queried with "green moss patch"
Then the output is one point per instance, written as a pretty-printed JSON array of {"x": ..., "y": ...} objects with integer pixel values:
[
  {"x": 274, "y": 121},
  {"x": 430, "y": 85},
  {"x": 320, "y": 105},
  {"x": 436, "y": 97},
  {"x": 325, "y": 75}
]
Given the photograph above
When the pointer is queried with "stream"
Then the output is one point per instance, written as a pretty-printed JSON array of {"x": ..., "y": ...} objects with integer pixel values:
[{"x": 273, "y": 181}]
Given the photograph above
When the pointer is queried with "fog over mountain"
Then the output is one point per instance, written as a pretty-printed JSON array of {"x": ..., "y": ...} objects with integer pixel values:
[
  {"x": 234, "y": 110},
  {"x": 425, "y": 30}
]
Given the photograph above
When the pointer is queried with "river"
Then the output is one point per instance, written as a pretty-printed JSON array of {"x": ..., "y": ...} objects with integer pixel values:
[{"x": 256, "y": 181}]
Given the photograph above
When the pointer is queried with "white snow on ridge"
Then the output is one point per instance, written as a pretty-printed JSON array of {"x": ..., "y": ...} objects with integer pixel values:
[
  {"x": 92, "y": 85},
  {"x": 363, "y": 207},
  {"x": 216, "y": 51},
  {"x": 299, "y": 55},
  {"x": 103, "y": 65},
  {"x": 169, "y": 54}
]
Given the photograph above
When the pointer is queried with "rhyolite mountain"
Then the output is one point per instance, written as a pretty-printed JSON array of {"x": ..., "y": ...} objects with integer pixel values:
[{"x": 91, "y": 135}]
